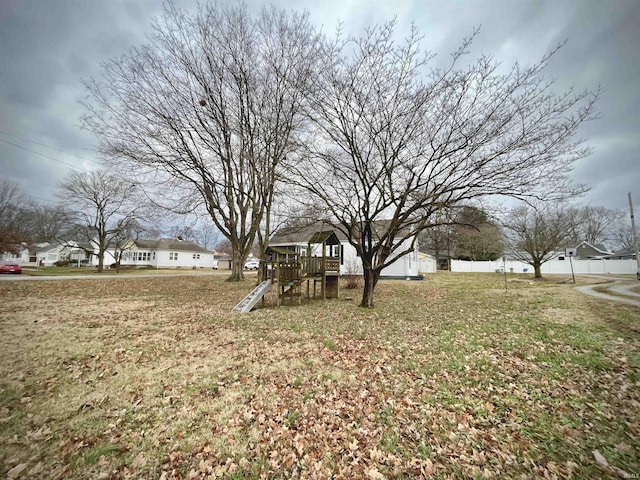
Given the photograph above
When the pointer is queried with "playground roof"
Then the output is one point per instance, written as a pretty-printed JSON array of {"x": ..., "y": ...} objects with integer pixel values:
[
  {"x": 300, "y": 234},
  {"x": 282, "y": 250},
  {"x": 328, "y": 236}
]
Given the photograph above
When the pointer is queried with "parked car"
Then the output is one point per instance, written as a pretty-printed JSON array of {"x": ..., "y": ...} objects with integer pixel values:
[
  {"x": 8, "y": 267},
  {"x": 252, "y": 264}
]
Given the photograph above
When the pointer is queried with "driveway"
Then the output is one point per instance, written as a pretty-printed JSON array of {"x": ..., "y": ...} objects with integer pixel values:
[{"x": 620, "y": 286}]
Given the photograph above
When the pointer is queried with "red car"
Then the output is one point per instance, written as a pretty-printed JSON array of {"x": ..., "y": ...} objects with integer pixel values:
[{"x": 7, "y": 267}]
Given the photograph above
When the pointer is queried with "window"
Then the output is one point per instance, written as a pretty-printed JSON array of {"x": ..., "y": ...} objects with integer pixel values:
[
  {"x": 173, "y": 255},
  {"x": 154, "y": 255},
  {"x": 196, "y": 256}
]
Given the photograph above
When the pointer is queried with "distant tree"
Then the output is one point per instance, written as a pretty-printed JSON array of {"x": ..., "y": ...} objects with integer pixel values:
[
  {"x": 622, "y": 236},
  {"x": 47, "y": 224},
  {"x": 535, "y": 233},
  {"x": 477, "y": 238},
  {"x": 223, "y": 246},
  {"x": 212, "y": 102},
  {"x": 14, "y": 202},
  {"x": 201, "y": 231},
  {"x": 207, "y": 235},
  {"x": 595, "y": 225},
  {"x": 103, "y": 208},
  {"x": 438, "y": 235},
  {"x": 393, "y": 142}
]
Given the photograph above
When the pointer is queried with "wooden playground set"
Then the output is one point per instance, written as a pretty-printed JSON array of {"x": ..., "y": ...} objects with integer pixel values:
[{"x": 287, "y": 270}]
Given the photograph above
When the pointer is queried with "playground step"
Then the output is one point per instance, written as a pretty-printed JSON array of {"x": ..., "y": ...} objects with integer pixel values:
[{"x": 254, "y": 297}]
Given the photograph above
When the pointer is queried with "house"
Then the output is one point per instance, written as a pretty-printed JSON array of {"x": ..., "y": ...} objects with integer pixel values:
[
  {"x": 163, "y": 253},
  {"x": 585, "y": 251},
  {"x": 404, "y": 267},
  {"x": 19, "y": 255},
  {"x": 224, "y": 262},
  {"x": 625, "y": 254},
  {"x": 47, "y": 254},
  {"x": 426, "y": 263}
]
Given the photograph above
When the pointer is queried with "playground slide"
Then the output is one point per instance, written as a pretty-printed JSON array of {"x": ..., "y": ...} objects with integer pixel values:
[{"x": 254, "y": 297}]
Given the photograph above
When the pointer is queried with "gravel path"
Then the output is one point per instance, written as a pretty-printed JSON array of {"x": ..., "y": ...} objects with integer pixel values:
[{"x": 619, "y": 287}]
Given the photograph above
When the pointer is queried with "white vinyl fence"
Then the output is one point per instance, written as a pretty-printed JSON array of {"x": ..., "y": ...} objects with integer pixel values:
[{"x": 601, "y": 267}]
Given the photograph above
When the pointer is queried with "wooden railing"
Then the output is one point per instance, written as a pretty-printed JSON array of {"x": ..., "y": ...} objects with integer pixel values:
[{"x": 313, "y": 266}]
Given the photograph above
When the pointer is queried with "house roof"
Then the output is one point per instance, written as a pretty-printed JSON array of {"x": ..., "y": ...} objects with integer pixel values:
[
  {"x": 170, "y": 244},
  {"x": 598, "y": 248},
  {"x": 56, "y": 246}
]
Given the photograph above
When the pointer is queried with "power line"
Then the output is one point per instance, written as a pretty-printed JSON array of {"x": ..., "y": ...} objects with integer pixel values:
[
  {"x": 42, "y": 144},
  {"x": 45, "y": 156}
]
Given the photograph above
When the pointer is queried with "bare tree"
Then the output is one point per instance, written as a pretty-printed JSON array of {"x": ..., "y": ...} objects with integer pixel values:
[
  {"x": 47, "y": 224},
  {"x": 622, "y": 236},
  {"x": 393, "y": 143},
  {"x": 534, "y": 233},
  {"x": 212, "y": 102},
  {"x": 595, "y": 225},
  {"x": 13, "y": 201},
  {"x": 207, "y": 236},
  {"x": 103, "y": 207}
]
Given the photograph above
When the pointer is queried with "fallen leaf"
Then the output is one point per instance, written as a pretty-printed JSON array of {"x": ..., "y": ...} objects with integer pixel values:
[
  {"x": 600, "y": 459},
  {"x": 374, "y": 474},
  {"x": 16, "y": 471},
  {"x": 139, "y": 461}
]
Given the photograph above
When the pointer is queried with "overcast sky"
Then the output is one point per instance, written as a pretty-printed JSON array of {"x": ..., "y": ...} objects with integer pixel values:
[{"x": 47, "y": 47}]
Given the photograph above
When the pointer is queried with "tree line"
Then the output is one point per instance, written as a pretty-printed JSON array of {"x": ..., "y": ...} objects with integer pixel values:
[
  {"x": 93, "y": 208},
  {"x": 531, "y": 233}
]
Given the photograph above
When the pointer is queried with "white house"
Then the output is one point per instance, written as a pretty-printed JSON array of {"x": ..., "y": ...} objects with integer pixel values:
[
  {"x": 427, "y": 263},
  {"x": 163, "y": 253},
  {"x": 404, "y": 267},
  {"x": 47, "y": 254},
  {"x": 21, "y": 256}
]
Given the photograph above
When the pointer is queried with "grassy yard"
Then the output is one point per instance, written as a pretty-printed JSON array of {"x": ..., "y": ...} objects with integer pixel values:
[
  {"x": 453, "y": 377},
  {"x": 75, "y": 271}
]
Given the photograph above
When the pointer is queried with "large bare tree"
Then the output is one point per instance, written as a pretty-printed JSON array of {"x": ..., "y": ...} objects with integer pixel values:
[
  {"x": 593, "y": 224},
  {"x": 535, "y": 233},
  {"x": 13, "y": 204},
  {"x": 103, "y": 208},
  {"x": 395, "y": 141},
  {"x": 212, "y": 102}
]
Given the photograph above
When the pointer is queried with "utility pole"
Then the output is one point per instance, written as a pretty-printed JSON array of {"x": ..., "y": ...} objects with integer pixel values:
[{"x": 633, "y": 232}]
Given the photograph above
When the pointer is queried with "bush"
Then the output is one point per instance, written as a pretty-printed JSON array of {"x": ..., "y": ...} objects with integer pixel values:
[
  {"x": 353, "y": 276},
  {"x": 61, "y": 263},
  {"x": 352, "y": 282}
]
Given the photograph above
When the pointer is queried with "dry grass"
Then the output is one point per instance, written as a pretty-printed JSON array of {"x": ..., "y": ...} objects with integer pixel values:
[{"x": 452, "y": 377}]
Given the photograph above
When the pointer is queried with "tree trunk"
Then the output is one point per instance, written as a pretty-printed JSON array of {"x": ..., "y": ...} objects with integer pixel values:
[
  {"x": 371, "y": 277},
  {"x": 100, "y": 261},
  {"x": 237, "y": 270},
  {"x": 537, "y": 271}
]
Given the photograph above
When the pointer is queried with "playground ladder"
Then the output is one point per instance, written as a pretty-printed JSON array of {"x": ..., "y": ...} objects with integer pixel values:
[{"x": 254, "y": 297}]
